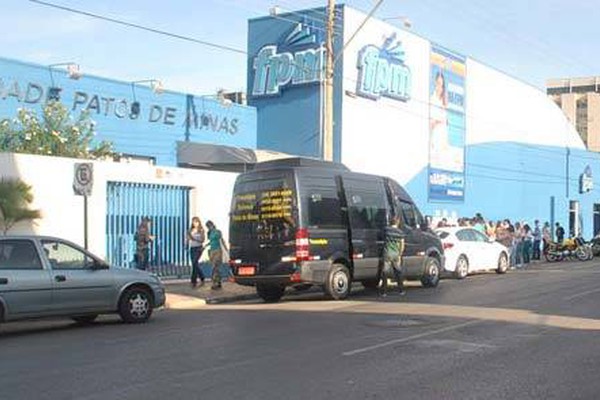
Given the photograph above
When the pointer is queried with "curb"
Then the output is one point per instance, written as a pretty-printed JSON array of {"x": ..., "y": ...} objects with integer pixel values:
[
  {"x": 231, "y": 299},
  {"x": 185, "y": 302},
  {"x": 181, "y": 302}
]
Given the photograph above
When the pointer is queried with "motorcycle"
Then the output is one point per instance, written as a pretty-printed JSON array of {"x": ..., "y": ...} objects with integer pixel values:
[
  {"x": 588, "y": 247},
  {"x": 574, "y": 248}
]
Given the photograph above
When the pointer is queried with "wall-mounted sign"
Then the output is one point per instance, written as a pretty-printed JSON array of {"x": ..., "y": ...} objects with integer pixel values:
[
  {"x": 300, "y": 63},
  {"x": 382, "y": 71},
  {"x": 586, "y": 181},
  {"x": 103, "y": 105}
]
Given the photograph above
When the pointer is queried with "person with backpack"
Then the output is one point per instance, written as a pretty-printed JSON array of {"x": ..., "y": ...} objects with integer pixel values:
[
  {"x": 392, "y": 257},
  {"x": 215, "y": 252}
]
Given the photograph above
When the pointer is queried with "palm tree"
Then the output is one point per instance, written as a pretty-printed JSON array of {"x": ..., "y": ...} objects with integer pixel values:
[{"x": 15, "y": 198}]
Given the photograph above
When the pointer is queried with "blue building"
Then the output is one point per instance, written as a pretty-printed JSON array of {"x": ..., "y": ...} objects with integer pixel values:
[
  {"x": 461, "y": 136},
  {"x": 140, "y": 119}
]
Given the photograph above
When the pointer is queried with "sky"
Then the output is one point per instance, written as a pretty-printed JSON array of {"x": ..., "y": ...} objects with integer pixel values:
[{"x": 532, "y": 40}]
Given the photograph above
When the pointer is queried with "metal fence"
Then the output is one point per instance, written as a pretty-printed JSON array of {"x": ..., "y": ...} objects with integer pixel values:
[{"x": 168, "y": 206}]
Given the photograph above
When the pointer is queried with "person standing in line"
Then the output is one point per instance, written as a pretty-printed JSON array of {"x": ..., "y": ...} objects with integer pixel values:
[
  {"x": 215, "y": 253},
  {"x": 560, "y": 233},
  {"x": 392, "y": 257},
  {"x": 195, "y": 240},
  {"x": 490, "y": 230},
  {"x": 143, "y": 239},
  {"x": 479, "y": 224},
  {"x": 546, "y": 236},
  {"x": 516, "y": 250},
  {"x": 527, "y": 244},
  {"x": 537, "y": 239}
]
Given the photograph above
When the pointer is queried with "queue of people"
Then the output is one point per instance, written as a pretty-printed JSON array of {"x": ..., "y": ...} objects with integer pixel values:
[{"x": 525, "y": 242}]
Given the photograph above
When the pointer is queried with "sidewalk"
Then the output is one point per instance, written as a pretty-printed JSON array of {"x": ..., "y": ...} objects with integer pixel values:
[{"x": 181, "y": 295}]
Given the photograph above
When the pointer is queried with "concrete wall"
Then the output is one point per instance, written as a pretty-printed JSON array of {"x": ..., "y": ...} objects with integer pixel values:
[{"x": 52, "y": 181}]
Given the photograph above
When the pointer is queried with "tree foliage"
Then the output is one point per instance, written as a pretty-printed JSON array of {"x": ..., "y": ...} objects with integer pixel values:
[
  {"x": 15, "y": 199},
  {"x": 54, "y": 133}
]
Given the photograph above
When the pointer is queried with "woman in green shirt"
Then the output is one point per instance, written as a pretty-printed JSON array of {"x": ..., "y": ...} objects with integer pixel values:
[{"x": 216, "y": 244}]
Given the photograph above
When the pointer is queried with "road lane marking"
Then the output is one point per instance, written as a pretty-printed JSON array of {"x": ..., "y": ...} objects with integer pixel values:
[
  {"x": 409, "y": 338},
  {"x": 578, "y": 295},
  {"x": 509, "y": 315}
]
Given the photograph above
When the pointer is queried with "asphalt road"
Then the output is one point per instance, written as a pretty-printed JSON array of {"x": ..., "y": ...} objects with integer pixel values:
[{"x": 526, "y": 335}]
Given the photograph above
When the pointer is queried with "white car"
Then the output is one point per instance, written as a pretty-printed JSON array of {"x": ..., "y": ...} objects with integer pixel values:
[{"x": 468, "y": 250}]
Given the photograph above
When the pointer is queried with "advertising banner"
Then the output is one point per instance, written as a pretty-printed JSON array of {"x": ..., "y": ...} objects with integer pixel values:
[{"x": 447, "y": 125}]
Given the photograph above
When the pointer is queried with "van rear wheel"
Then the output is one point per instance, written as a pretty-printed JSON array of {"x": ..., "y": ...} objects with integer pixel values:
[
  {"x": 431, "y": 276},
  {"x": 270, "y": 293},
  {"x": 338, "y": 282}
]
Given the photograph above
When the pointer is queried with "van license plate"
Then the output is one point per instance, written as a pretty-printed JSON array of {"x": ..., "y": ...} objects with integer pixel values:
[{"x": 246, "y": 270}]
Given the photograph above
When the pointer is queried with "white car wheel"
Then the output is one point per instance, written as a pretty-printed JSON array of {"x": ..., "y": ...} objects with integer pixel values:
[{"x": 462, "y": 267}]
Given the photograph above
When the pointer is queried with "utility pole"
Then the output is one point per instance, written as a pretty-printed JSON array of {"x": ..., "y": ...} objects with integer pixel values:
[
  {"x": 328, "y": 120},
  {"x": 330, "y": 61}
]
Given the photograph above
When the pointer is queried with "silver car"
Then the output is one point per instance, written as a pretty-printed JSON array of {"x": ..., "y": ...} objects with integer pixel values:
[{"x": 43, "y": 276}]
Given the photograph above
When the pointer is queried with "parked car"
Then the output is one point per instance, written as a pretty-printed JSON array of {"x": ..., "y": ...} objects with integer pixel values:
[
  {"x": 44, "y": 276},
  {"x": 468, "y": 250},
  {"x": 299, "y": 222}
]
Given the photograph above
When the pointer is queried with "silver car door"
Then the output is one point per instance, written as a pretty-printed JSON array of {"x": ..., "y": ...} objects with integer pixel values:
[
  {"x": 77, "y": 285},
  {"x": 25, "y": 285}
]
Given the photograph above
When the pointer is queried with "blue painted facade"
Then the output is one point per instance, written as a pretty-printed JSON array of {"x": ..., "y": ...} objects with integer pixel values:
[
  {"x": 289, "y": 39},
  {"x": 520, "y": 157},
  {"x": 521, "y": 182},
  {"x": 162, "y": 120}
]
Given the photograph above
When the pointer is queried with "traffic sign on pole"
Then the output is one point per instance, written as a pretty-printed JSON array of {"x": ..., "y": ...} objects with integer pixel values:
[{"x": 83, "y": 179}]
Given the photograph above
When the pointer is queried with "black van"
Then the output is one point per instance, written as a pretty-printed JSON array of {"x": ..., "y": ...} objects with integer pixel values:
[{"x": 299, "y": 222}]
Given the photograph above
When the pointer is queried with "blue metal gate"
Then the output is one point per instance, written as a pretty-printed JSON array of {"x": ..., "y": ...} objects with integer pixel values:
[{"x": 168, "y": 207}]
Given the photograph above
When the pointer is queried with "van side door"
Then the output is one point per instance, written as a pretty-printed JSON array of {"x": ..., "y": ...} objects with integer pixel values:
[
  {"x": 366, "y": 200},
  {"x": 325, "y": 217},
  {"x": 414, "y": 252}
]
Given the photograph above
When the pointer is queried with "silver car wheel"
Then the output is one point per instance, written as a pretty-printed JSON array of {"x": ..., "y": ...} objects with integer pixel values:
[{"x": 139, "y": 305}]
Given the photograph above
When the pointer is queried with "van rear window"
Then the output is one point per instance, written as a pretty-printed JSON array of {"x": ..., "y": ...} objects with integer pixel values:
[{"x": 265, "y": 209}]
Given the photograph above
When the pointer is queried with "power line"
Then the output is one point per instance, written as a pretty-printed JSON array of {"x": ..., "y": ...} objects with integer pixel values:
[{"x": 141, "y": 27}]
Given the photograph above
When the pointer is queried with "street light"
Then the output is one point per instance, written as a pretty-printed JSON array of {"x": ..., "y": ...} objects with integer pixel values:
[
  {"x": 73, "y": 72},
  {"x": 406, "y": 22},
  {"x": 155, "y": 84},
  {"x": 157, "y": 88}
]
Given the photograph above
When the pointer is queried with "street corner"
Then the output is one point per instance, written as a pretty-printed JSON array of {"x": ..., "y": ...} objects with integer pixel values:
[{"x": 183, "y": 302}]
